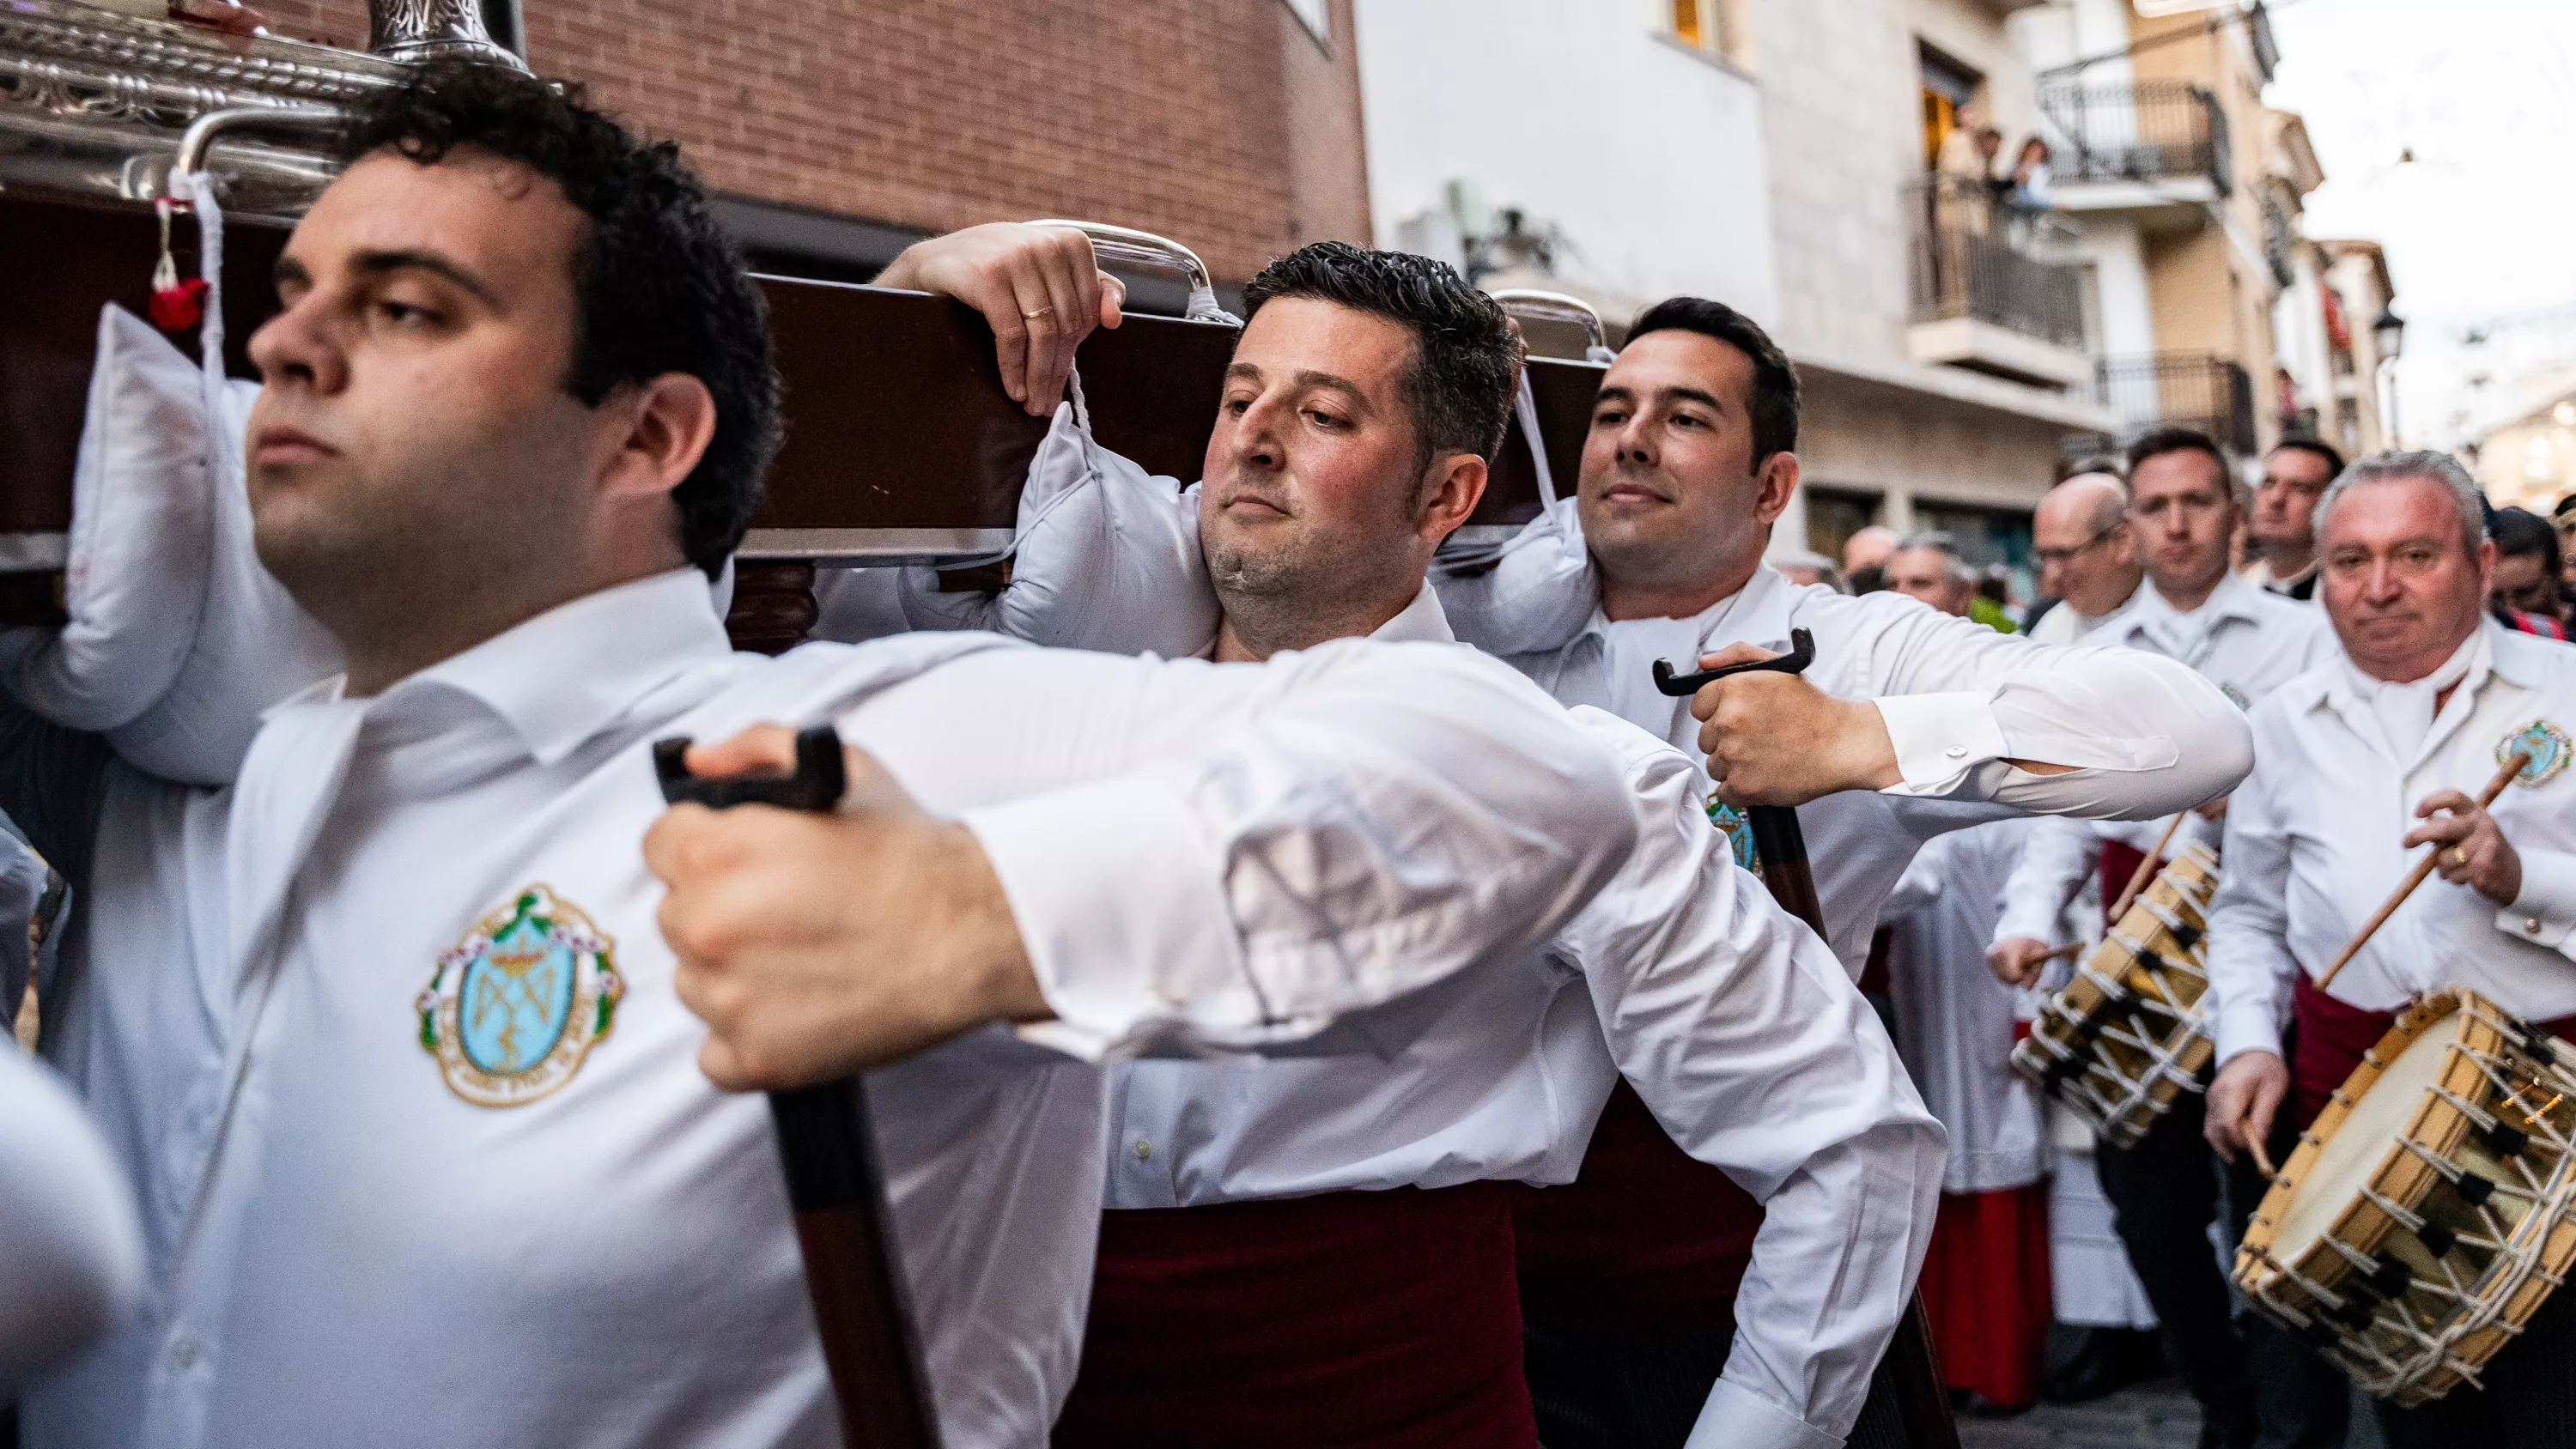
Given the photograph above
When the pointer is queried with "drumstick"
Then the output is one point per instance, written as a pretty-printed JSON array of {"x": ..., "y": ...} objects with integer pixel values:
[
  {"x": 2137, "y": 882},
  {"x": 2512, "y": 766}
]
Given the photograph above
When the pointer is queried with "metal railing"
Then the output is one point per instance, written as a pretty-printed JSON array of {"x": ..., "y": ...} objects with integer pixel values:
[
  {"x": 2143, "y": 131},
  {"x": 2195, "y": 389},
  {"x": 1967, "y": 258}
]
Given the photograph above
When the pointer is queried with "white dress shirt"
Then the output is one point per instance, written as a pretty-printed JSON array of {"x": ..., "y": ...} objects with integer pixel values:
[
  {"x": 2313, "y": 847},
  {"x": 2245, "y": 641},
  {"x": 1735, "y": 1024},
  {"x": 1954, "y": 1020},
  {"x": 1959, "y": 700},
  {"x": 345, "y": 1249},
  {"x": 2064, "y": 625}
]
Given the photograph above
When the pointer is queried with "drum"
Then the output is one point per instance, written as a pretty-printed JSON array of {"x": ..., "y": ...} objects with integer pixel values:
[
  {"x": 2125, "y": 1038},
  {"x": 2425, "y": 1215}
]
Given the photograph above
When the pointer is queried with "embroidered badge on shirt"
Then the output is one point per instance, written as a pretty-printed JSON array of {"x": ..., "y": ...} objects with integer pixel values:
[
  {"x": 2235, "y": 696},
  {"x": 2548, "y": 747},
  {"x": 513, "y": 1010},
  {"x": 1739, "y": 833}
]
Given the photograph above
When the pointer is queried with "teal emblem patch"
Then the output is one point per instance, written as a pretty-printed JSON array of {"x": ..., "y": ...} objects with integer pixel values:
[
  {"x": 2235, "y": 696},
  {"x": 513, "y": 1010},
  {"x": 1739, "y": 833},
  {"x": 2548, "y": 747}
]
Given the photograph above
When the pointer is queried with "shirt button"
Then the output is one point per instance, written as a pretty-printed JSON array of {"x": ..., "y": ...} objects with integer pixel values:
[
  {"x": 1956, "y": 751},
  {"x": 1144, "y": 1149},
  {"x": 2531, "y": 925},
  {"x": 183, "y": 1353}
]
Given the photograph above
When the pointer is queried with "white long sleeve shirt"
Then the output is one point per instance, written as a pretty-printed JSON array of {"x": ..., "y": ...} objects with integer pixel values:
[
  {"x": 2242, "y": 639},
  {"x": 273, "y": 1009},
  {"x": 2313, "y": 846},
  {"x": 2146, "y": 736},
  {"x": 1733, "y": 1021}
]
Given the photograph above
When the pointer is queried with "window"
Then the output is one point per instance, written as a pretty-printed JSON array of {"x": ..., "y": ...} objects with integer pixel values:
[
  {"x": 1835, "y": 514},
  {"x": 1948, "y": 89},
  {"x": 1714, "y": 28}
]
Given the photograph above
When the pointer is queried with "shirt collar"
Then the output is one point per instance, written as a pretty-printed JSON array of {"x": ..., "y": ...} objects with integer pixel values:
[
  {"x": 2234, "y": 598},
  {"x": 1421, "y": 622},
  {"x": 2484, "y": 653},
  {"x": 561, "y": 677},
  {"x": 1759, "y": 611}
]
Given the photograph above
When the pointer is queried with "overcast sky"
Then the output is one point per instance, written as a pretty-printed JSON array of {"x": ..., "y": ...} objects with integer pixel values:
[{"x": 2483, "y": 226}]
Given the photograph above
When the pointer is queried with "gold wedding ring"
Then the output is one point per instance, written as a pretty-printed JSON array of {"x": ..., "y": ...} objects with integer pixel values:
[
  {"x": 1033, "y": 316},
  {"x": 2459, "y": 855}
]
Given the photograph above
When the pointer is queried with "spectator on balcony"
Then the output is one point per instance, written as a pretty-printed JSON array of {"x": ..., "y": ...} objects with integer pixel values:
[
  {"x": 2034, "y": 180},
  {"x": 2281, "y": 536},
  {"x": 2525, "y": 589},
  {"x": 1966, "y": 185}
]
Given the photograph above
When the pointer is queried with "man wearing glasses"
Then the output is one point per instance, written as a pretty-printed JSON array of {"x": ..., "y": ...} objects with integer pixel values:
[{"x": 2088, "y": 559}]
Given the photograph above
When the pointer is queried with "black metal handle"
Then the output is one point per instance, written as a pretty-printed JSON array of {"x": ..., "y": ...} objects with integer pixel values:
[
  {"x": 834, "y": 1180},
  {"x": 1802, "y": 652}
]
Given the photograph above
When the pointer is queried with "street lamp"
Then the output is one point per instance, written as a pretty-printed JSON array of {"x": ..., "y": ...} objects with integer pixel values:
[
  {"x": 2387, "y": 335},
  {"x": 2389, "y": 332}
]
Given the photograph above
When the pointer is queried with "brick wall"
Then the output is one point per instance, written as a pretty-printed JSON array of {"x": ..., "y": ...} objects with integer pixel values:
[{"x": 1171, "y": 115}]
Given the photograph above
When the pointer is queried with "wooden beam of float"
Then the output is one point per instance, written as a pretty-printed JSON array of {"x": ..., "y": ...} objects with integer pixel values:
[{"x": 901, "y": 445}]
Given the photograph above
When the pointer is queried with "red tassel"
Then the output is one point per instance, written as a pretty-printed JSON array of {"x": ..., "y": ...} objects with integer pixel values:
[{"x": 180, "y": 307}]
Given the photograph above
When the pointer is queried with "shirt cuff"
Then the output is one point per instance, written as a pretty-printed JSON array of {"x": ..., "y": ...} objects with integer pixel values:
[
  {"x": 2545, "y": 912},
  {"x": 1735, "y": 1417},
  {"x": 2027, "y": 919},
  {"x": 1940, "y": 738},
  {"x": 1121, "y": 903},
  {"x": 2245, "y": 1026}
]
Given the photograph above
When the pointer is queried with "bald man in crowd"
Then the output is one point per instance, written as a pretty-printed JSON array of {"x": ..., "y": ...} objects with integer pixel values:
[{"x": 2088, "y": 555}]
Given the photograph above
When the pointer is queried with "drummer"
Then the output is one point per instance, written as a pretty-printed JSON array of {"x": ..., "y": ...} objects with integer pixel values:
[
  {"x": 2361, "y": 762},
  {"x": 2183, "y": 512}
]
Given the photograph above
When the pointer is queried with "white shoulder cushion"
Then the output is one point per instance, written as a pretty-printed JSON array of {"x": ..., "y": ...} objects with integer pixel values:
[
  {"x": 253, "y": 646},
  {"x": 142, "y": 506}
]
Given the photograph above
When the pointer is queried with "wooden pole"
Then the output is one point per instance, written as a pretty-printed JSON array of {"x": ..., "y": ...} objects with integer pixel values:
[
  {"x": 2513, "y": 766},
  {"x": 2145, "y": 872}
]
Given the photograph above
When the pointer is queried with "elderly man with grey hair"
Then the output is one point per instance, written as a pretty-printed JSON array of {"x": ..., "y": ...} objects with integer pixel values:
[
  {"x": 2088, "y": 556},
  {"x": 2359, "y": 761},
  {"x": 1928, "y": 566}
]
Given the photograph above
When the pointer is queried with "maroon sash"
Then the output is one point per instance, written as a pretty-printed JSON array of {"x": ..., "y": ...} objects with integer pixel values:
[
  {"x": 2332, "y": 1036},
  {"x": 1646, "y": 1239},
  {"x": 2119, "y": 862},
  {"x": 1366, "y": 1320}
]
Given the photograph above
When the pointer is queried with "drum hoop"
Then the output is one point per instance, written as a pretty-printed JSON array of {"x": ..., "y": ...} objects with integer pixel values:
[{"x": 2530, "y": 1258}]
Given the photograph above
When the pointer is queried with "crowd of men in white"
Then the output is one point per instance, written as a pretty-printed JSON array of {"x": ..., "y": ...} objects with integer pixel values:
[{"x": 1256, "y": 887}]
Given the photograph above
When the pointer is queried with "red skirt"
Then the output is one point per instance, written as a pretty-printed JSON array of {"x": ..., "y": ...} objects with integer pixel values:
[
  {"x": 2332, "y": 1036},
  {"x": 1985, "y": 1289},
  {"x": 1378, "y": 1319},
  {"x": 1646, "y": 1239}
]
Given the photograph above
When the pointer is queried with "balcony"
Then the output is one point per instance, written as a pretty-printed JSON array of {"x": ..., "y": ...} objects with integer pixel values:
[
  {"x": 1981, "y": 299},
  {"x": 2157, "y": 151},
  {"x": 2193, "y": 389}
]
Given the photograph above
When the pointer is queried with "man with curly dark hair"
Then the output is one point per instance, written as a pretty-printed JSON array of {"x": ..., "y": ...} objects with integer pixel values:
[{"x": 395, "y": 1033}]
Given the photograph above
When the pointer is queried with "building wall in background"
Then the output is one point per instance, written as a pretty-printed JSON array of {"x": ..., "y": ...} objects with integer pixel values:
[
  {"x": 1172, "y": 115},
  {"x": 1591, "y": 119}
]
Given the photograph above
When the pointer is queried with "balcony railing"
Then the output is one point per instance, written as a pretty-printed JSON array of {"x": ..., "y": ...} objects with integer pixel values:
[
  {"x": 2194, "y": 389},
  {"x": 2144, "y": 131},
  {"x": 1969, "y": 260}
]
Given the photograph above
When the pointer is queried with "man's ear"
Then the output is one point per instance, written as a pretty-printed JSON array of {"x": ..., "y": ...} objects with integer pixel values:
[
  {"x": 1451, "y": 490},
  {"x": 1779, "y": 475},
  {"x": 668, "y": 422}
]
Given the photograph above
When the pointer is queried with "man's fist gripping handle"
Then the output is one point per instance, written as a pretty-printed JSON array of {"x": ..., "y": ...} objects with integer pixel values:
[{"x": 834, "y": 1182}]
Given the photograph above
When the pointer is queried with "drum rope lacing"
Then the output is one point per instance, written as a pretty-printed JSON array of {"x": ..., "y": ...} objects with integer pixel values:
[{"x": 2515, "y": 1249}]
